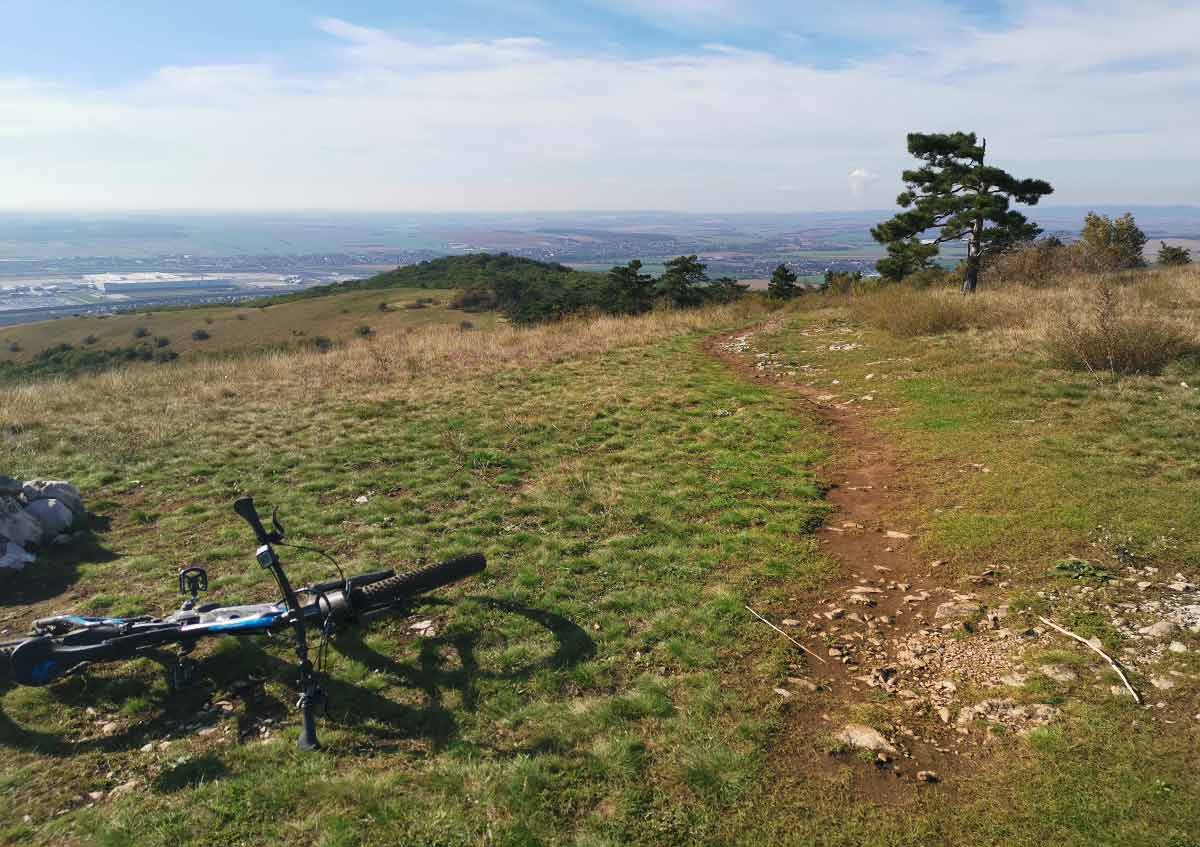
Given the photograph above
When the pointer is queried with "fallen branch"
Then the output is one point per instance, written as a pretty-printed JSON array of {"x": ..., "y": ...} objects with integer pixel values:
[
  {"x": 1111, "y": 661},
  {"x": 788, "y": 637}
]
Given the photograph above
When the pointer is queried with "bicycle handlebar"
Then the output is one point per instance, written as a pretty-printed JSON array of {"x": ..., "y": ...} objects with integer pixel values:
[{"x": 244, "y": 506}]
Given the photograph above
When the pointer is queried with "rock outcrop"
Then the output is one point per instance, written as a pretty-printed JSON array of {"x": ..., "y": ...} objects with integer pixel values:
[{"x": 35, "y": 514}]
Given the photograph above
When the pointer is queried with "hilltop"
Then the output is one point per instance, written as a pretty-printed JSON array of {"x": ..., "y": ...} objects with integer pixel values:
[{"x": 905, "y": 481}]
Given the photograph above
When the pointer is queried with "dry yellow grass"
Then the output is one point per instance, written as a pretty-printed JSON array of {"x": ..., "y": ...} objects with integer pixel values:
[
  {"x": 1154, "y": 316},
  {"x": 137, "y": 407},
  {"x": 242, "y": 328}
]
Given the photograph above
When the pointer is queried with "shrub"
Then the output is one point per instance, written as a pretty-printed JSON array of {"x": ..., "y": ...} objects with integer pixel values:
[
  {"x": 841, "y": 282},
  {"x": 1112, "y": 244},
  {"x": 90, "y": 340},
  {"x": 321, "y": 343},
  {"x": 1109, "y": 343},
  {"x": 365, "y": 331},
  {"x": 141, "y": 332},
  {"x": 465, "y": 325},
  {"x": 725, "y": 290},
  {"x": 163, "y": 356},
  {"x": 161, "y": 341},
  {"x": 474, "y": 300},
  {"x": 208, "y": 321},
  {"x": 1173, "y": 256},
  {"x": 1038, "y": 264},
  {"x": 200, "y": 335}
]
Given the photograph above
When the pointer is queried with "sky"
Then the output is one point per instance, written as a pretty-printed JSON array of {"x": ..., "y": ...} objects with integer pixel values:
[{"x": 689, "y": 105}]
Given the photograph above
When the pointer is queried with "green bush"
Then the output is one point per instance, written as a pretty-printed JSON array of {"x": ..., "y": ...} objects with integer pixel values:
[{"x": 1173, "y": 256}]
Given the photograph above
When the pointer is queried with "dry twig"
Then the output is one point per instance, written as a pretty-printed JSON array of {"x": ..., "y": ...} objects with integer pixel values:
[
  {"x": 785, "y": 635},
  {"x": 1111, "y": 661}
]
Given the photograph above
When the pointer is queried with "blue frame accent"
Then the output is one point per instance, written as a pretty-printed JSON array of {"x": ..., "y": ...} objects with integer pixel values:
[{"x": 261, "y": 622}]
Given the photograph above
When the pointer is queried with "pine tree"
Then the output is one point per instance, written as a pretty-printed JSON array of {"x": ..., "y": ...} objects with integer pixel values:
[
  {"x": 682, "y": 281},
  {"x": 631, "y": 292},
  {"x": 783, "y": 284},
  {"x": 1171, "y": 255},
  {"x": 726, "y": 290},
  {"x": 962, "y": 198}
]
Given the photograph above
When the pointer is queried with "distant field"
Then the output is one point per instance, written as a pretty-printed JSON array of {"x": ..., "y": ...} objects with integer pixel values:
[{"x": 243, "y": 328}]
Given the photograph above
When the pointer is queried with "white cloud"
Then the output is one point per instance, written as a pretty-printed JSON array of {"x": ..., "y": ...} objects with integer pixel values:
[
  {"x": 401, "y": 123},
  {"x": 859, "y": 179}
]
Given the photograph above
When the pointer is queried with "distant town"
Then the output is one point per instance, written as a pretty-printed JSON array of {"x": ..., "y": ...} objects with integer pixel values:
[{"x": 60, "y": 266}]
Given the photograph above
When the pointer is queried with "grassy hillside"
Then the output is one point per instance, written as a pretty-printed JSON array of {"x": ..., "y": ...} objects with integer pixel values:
[
  {"x": 602, "y": 683},
  {"x": 524, "y": 289},
  {"x": 239, "y": 329},
  {"x": 477, "y": 270}
]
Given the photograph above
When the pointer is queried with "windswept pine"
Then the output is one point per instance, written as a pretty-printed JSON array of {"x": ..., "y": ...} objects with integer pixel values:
[{"x": 960, "y": 198}]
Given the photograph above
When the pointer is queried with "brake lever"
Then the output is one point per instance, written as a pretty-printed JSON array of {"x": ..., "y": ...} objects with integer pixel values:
[{"x": 276, "y": 525}]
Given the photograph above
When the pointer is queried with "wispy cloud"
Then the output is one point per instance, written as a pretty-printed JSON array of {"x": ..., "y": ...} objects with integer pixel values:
[
  {"x": 403, "y": 122},
  {"x": 859, "y": 179}
]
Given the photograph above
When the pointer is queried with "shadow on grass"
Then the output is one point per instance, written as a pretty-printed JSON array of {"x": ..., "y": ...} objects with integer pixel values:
[
  {"x": 57, "y": 568},
  {"x": 351, "y": 705},
  {"x": 190, "y": 774}
]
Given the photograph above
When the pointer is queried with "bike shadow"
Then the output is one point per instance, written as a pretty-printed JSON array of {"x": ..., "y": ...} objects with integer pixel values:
[{"x": 417, "y": 699}]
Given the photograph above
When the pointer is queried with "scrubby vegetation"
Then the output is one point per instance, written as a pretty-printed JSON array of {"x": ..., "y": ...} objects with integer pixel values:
[
  {"x": 67, "y": 360},
  {"x": 529, "y": 291}
]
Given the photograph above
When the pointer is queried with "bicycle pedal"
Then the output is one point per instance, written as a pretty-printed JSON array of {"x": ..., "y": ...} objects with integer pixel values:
[{"x": 192, "y": 581}]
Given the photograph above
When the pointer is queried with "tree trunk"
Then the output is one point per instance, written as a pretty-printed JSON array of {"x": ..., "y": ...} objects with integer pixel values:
[{"x": 971, "y": 278}]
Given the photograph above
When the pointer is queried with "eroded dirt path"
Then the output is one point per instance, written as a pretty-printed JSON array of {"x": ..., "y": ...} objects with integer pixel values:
[{"x": 894, "y": 621}]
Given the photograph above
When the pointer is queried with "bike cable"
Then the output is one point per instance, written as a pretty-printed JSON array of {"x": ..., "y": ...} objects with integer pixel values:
[{"x": 319, "y": 552}]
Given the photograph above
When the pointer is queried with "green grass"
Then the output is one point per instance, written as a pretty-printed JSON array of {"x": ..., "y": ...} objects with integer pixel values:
[
  {"x": 591, "y": 678},
  {"x": 601, "y": 684}
]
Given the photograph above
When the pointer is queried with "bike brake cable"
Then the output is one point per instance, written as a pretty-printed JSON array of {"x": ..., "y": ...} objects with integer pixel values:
[{"x": 319, "y": 552}]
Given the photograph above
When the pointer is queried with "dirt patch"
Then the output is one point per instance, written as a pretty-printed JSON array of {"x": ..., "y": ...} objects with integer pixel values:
[{"x": 891, "y": 630}]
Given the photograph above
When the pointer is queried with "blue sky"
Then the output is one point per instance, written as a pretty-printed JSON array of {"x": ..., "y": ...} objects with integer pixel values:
[
  {"x": 704, "y": 105},
  {"x": 105, "y": 42}
]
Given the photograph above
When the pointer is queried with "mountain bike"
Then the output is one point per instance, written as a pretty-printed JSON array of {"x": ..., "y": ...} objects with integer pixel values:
[{"x": 69, "y": 643}]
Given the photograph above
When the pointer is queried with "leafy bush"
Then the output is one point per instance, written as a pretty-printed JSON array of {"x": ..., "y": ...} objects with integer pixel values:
[
  {"x": 200, "y": 335},
  {"x": 1173, "y": 256},
  {"x": 90, "y": 340},
  {"x": 141, "y": 332},
  {"x": 364, "y": 331},
  {"x": 1112, "y": 244},
  {"x": 1108, "y": 343},
  {"x": 161, "y": 341}
]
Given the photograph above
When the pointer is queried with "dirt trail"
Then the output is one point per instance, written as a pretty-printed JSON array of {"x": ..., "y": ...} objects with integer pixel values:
[{"x": 891, "y": 622}]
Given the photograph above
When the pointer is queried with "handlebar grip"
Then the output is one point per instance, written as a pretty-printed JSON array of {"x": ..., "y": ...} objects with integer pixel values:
[
  {"x": 244, "y": 506},
  {"x": 399, "y": 587}
]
